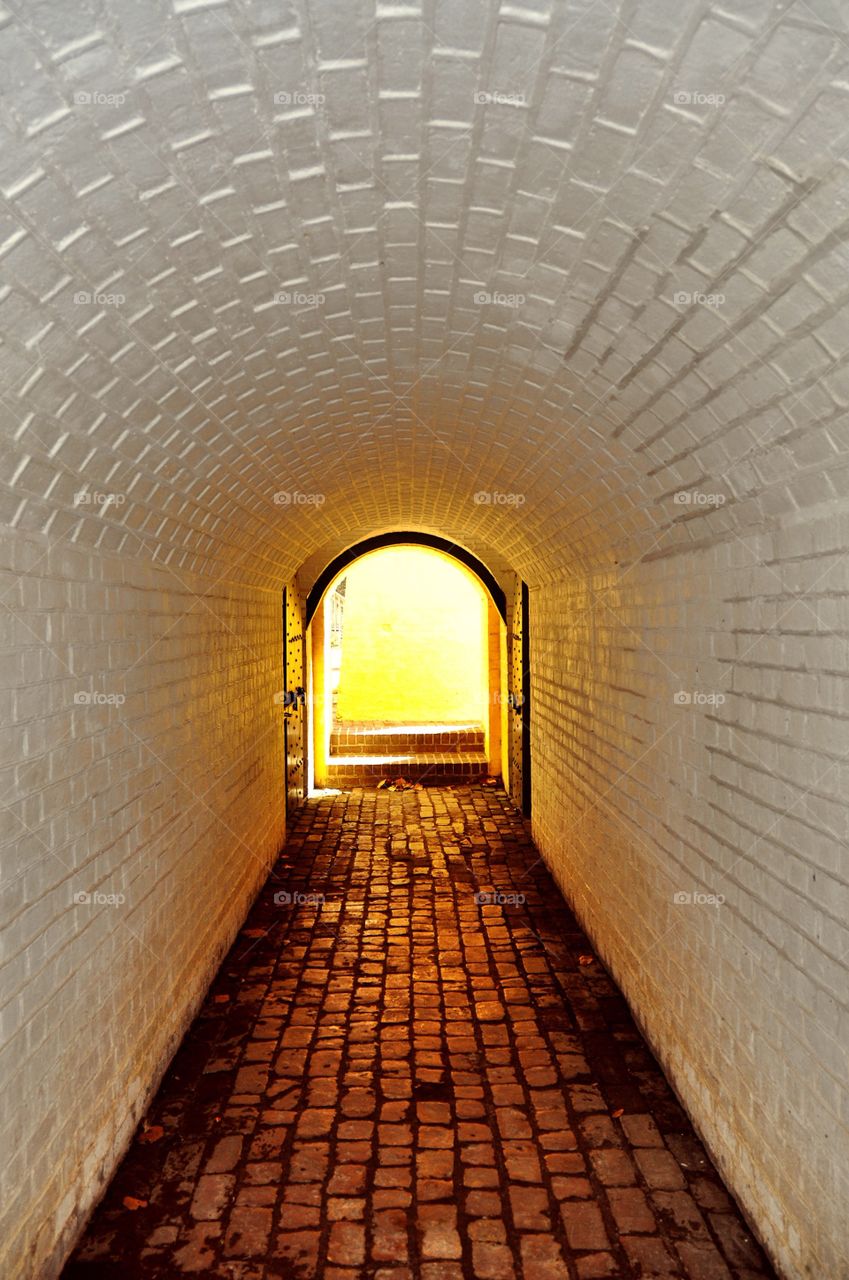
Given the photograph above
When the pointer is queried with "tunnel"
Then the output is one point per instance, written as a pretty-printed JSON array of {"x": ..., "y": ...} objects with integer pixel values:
[{"x": 556, "y": 285}]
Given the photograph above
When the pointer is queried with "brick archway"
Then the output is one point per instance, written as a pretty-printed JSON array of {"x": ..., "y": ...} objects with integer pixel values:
[
  {"x": 428, "y": 746},
  {"x": 406, "y": 538}
]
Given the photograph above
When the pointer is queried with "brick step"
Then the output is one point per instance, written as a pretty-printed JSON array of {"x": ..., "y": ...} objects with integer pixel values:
[
  {"x": 435, "y": 768},
  {"x": 392, "y": 739}
]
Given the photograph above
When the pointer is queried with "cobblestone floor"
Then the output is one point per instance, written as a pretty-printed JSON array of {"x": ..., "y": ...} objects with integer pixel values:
[{"x": 399, "y": 1081}]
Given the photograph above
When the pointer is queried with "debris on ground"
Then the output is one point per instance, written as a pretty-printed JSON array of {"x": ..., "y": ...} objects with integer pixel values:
[
  {"x": 152, "y": 1133},
  {"x": 130, "y": 1202},
  {"x": 586, "y": 960},
  {"x": 399, "y": 784},
  {"x": 201, "y": 1096}
]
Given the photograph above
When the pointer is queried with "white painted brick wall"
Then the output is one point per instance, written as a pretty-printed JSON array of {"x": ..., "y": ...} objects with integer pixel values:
[
  {"x": 146, "y": 159},
  {"x": 637, "y": 799},
  {"x": 171, "y": 800},
  {"x": 571, "y": 156}
]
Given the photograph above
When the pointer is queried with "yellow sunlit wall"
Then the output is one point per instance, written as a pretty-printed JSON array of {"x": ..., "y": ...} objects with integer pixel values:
[{"x": 414, "y": 642}]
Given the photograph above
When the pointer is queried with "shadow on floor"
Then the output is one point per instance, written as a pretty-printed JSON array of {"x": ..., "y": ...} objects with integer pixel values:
[{"x": 411, "y": 1067}]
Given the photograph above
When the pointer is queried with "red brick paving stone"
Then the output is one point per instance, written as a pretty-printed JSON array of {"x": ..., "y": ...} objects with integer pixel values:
[
  {"x": 315, "y": 1122},
  {"x": 513, "y": 1123},
  {"x": 489, "y": 1011},
  {"x": 506, "y": 1094},
  {"x": 660, "y": 1169},
  {"x": 393, "y": 1178},
  {"x": 345, "y": 1209},
  {"x": 641, "y": 1131},
  {"x": 438, "y": 1226},
  {"x": 584, "y": 1225},
  {"x": 434, "y": 1112},
  {"x": 571, "y": 1188},
  {"x": 600, "y": 1131},
  {"x": 650, "y": 1258},
  {"x": 492, "y": 1261},
  {"x": 390, "y": 1236},
  {"x": 565, "y": 1162},
  {"x": 347, "y": 1243},
  {"x": 163, "y": 1235},
  {"x": 212, "y": 1195},
  {"x": 407, "y": 1095},
  {"x": 347, "y": 1179},
  {"x": 358, "y": 1103},
  {"x": 529, "y": 1207},
  {"x": 488, "y": 1230},
  {"x": 475, "y": 1177},
  {"x": 613, "y": 1167},
  {"x": 483, "y": 1204},
  {"x": 597, "y": 1266},
  {"x": 391, "y": 1199},
  {"x": 478, "y": 1153},
  {"x": 434, "y": 1189},
  {"x": 267, "y": 1144},
  {"x": 247, "y": 1233},
  {"x": 198, "y": 1251},
  {"x": 264, "y": 1173},
  {"x": 631, "y": 1210},
  {"x": 225, "y": 1155},
  {"x": 435, "y": 1136},
  {"x": 301, "y": 1249},
  {"x": 736, "y": 1241},
  {"x": 702, "y": 1261},
  {"x": 522, "y": 1162},
  {"x": 542, "y": 1259},
  {"x": 679, "y": 1213},
  {"x": 251, "y": 1271},
  {"x": 256, "y": 1197},
  {"x": 309, "y": 1163},
  {"x": 710, "y": 1195}
]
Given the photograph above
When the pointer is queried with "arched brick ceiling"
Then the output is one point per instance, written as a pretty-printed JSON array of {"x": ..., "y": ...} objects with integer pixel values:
[{"x": 200, "y": 159}]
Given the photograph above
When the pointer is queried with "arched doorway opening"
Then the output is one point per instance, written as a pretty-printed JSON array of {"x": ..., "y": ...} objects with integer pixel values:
[{"x": 408, "y": 663}]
